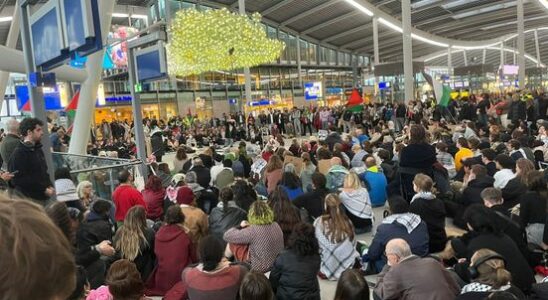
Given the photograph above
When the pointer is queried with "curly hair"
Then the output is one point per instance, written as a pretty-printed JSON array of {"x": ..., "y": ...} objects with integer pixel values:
[{"x": 303, "y": 240}]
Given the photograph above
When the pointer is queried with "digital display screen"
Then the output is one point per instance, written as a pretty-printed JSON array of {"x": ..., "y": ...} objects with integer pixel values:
[
  {"x": 52, "y": 98},
  {"x": 46, "y": 40},
  {"x": 312, "y": 90},
  {"x": 510, "y": 70},
  {"x": 75, "y": 23},
  {"x": 149, "y": 66},
  {"x": 384, "y": 85}
]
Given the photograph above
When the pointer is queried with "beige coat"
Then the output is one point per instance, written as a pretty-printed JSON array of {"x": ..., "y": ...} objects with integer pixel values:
[{"x": 416, "y": 278}]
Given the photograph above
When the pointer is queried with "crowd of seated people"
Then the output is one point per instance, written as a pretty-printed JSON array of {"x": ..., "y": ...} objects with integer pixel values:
[{"x": 273, "y": 224}]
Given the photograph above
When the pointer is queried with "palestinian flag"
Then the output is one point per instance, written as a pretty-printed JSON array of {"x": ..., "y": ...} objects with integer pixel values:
[
  {"x": 71, "y": 110},
  {"x": 441, "y": 92},
  {"x": 355, "y": 102}
]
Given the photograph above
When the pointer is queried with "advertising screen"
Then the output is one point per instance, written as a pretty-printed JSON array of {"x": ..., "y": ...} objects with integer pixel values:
[
  {"x": 75, "y": 29},
  {"x": 148, "y": 65},
  {"x": 118, "y": 52},
  {"x": 384, "y": 85},
  {"x": 47, "y": 39},
  {"x": 52, "y": 98},
  {"x": 150, "y": 62},
  {"x": 510, "y": 70},
  {"x": 312, "y": 90}
]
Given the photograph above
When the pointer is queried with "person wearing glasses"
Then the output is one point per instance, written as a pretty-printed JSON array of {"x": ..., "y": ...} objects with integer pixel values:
[{"x": 408, "y": 277}]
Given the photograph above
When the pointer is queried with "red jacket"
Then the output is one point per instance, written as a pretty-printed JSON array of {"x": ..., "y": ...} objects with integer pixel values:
[
  {"x": 174, "y": 252},
  {"x": 155, "y": 203},
  {"x": 126, "y": 197}
]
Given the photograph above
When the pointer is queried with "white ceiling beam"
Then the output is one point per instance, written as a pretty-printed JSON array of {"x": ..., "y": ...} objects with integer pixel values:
[
  {"x": 347, "y": 32},
  {"x": 330, "y": 22},
  {"x": 309, "y": 12},
  {"x": 275, "y": 7}
]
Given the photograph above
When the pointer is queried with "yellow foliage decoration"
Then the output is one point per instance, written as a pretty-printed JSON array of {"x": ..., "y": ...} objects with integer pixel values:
[{"x": 217, "y": 39}]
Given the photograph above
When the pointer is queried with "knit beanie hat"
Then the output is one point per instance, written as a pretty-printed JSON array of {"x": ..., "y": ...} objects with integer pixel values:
[{"x": 185, "y": 196}]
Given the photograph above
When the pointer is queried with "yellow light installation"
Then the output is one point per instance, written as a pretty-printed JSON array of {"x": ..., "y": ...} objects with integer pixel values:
[{"x": 202, "y": 41}]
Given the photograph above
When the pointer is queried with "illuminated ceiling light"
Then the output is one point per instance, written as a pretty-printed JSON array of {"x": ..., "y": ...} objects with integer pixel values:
[
  {"x": 139, "y": 16},
  {"x": 544, "y": 3},
  {"x": 428, "y": 41},
  {"x": 360, "y": 7},
  {"x": 6, "y": 19},
  {"x": 452, "y": 4},
  {"x": 120, "y": 15},
  {"x": 483, "y": 10},
  {"x": 475, "y": 47},
  {"x": 423, "y": 3},
  {"x": 390, "y": 25}
]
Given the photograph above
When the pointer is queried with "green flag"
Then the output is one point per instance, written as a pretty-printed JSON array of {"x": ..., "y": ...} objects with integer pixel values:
[{"x": 445, "y": 97}]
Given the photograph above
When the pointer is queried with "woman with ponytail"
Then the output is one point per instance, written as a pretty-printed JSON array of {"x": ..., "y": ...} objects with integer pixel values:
[
  {"x": 488, "y": 275},
  {"x": 214, "y": 278},
  {"x": 335, "y": 235}
]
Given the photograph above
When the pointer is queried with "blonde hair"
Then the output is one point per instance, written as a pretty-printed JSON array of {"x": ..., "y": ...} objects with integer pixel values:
[
  {"x": 131, "y": 235},
  {"x": 336, "y": 225},
  {"x": 260, "y": 213},
  {"x": 81, "y": 186},
  {"x": 423, "y": 182},
  {"x": 491, "y": 272},
  {"x": 352, "y": 181}
]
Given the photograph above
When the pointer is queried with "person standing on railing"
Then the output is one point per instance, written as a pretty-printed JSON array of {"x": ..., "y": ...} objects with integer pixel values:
[{"x": 28, "y": 163}]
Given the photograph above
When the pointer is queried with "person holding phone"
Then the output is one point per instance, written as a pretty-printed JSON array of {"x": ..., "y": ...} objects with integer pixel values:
[{"x": 28, "y": 164}]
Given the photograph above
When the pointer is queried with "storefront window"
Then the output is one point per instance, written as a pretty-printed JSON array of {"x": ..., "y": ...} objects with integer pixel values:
[
  {"x": 312, "y": 53},
  {"x": 285, "y": 54},
  {"x": 204, "y": 107},
  {"x": 332, "y": 57},
  {"x": 187, "y": 5},
  {"x": 174, "y": 7},
  {"x": 292, "y": 48},
  {"x": 162, "y": 9},
  {"x": 153, "y": 13},
  {"x": 272, "y": 32},
  {"x": 275, "y": 79},
  {"x": 286, "y": 79},
  {"x": 304, "y": 51},
  {"x": 322, "y": 55}
]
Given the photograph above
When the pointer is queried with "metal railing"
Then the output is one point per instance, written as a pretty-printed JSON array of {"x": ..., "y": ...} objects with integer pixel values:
[{"x": 102, "y": 172}]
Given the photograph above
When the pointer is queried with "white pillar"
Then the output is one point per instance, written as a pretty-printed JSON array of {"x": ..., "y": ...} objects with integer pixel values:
[
  {"x": 376, "y": 40},
  {"x": 376, "y": 58},
  {"x": 88, "y": 90},
  {"x": 299, "y": 63},
  {"x": 407, "y": 51},
  {"x": 521, "y": 46},
  {"x": 449, "y": 58},
  {"x": 11, "y": 42},
  {"x": 502, "y": 58},
  {"x": 537, "y": 48},
  {"x": 247, "y": 73},
  {"x": 465, "y": 58},
  {"x": 483, "y": 57}
]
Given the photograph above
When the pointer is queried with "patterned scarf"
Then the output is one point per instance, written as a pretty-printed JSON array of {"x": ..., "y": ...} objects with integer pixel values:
[
  {"x": 423, "y": 195},
  {"x": 409, "y": 220}
]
